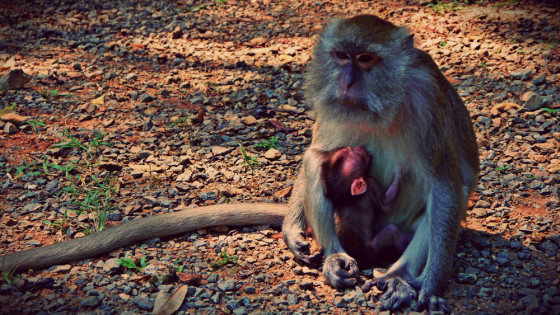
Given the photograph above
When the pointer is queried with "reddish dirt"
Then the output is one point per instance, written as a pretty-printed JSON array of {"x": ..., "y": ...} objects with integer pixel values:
[{"x": 21, "y": 146}]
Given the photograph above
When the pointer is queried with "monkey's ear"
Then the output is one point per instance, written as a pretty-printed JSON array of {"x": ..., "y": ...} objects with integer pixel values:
[
  {"x": 409, "y": 42},
  {"x": 404, "y": 39}
]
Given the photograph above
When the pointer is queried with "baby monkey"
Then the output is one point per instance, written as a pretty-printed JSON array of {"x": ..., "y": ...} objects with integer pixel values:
[{"x": 358, "y": 200}]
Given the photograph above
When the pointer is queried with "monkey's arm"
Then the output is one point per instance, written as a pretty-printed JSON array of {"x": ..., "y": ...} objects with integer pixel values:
[
  {"x": 294, "y": 225},
  {"x": 339, "y": 268},
  {"x": 145, "y": 228}
]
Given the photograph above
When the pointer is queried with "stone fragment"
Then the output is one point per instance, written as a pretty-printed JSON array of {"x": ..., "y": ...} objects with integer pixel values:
[
  {"x": 272, "y": 154},
  {"x": 131, "y": 76},
  {"x": 521, "y": 74},
  {"x": 10, "y": 128},
  {"x": 112, "y": 266},
  {"x": 534, "y": 101},
  {"x": 177, "y": 33},
  {"x": 15, "y": 79}
]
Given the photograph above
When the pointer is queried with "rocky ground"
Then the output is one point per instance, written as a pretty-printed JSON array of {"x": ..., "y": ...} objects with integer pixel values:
[{"x": 136, "y": 108}]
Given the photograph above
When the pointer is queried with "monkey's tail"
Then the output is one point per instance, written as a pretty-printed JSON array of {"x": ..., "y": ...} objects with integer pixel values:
[{"x": 142, "y": 229}]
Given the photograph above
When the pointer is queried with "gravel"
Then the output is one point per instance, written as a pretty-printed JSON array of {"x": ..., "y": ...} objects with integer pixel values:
[{"x": 184, "y": 83}]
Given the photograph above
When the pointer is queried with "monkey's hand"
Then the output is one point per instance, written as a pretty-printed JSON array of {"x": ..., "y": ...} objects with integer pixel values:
[
  {"x": 431, "y": 303},
  {"x": 401, "y": 293},
  {"x": 398, "y": 293},
  {"x": 301, "y": 248},
  {"x": 340, "y": 270}
]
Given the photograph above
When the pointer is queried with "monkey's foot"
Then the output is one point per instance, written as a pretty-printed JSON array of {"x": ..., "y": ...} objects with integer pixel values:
[
  {"x": 432, "y": 303},
  {"x": 398, "y": 293},
  {"x": 302, "y": 249},
  {"x": 340, "y": 270}
]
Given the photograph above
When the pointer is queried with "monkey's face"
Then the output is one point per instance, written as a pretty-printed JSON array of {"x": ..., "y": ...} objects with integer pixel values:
[
  {"x": 359, "y": 69},
  {"x": 353, "y": 69}
]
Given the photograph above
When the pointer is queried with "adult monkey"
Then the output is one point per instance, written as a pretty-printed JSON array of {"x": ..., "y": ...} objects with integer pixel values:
[{"x": 370, "y": 87}]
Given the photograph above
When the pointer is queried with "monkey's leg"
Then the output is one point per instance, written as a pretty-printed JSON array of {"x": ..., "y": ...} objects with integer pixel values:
[
  {"x": 339, "y": 268},
  {"x": 445, "y": 208},
  {"x": 294, "y": 225},
  {"x": 399, "y": 281},
  {"x": 431, "y": 251}
]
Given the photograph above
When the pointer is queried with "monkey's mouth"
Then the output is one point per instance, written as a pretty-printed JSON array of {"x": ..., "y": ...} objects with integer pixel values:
[{"x": 351, "y": 100}]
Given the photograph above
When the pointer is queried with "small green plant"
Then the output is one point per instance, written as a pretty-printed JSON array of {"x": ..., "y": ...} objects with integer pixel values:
[
  {"x": 197, "y": 8},
  {"x": 220, "y": 2},
  {"x": 503, "y": 3},
  {"x": 225, "y": 260},
  {"x": 44, "y": 94},
  {"x": 179, "y": 266},
  {"x": 225, "y": 199},
  {"x": 177, "y": 122},
  {"x": 440, "y": 7},
  {"x": 520, "y": 51},
  {"x": 69, "y": 95},
  {"x": 96, "y": 142},
  {"x": 549, "y": 110},
  {"x": 54, "y": 93},
  {"x": 214, "y": 87},
  {"x": 483, "y": 64},
  {"x": 93, "y": 195},
  {"x": 71, "y": 143},
  {"x": 7, "y": 110},
  {"x": 65, "y": 170},
  {"x": 503, "y": 169},
  {"x": 129, "y": 263},
  {"x": 250, "y": 160},
  {"x": 499, "y": 50},
  {"x": 267, "y": 144},
  {"x": 59, "y": 224},
  {"x": 443, "y": 43},
  {"x": 92, "y": 147},
  {"x": 9, "y": 276},
  {"x": 30, "y": 169},
  {"x": 34, "y": 123}
]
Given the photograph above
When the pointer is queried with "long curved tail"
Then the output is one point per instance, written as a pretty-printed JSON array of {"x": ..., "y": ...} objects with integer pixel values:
[{"x": 145, "y": 228}]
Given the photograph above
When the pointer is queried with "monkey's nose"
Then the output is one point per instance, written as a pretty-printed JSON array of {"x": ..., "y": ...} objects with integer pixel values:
[{"x": 347, "y": 78}]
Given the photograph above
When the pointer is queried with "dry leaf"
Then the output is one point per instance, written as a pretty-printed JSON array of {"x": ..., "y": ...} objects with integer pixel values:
[
  {"x": 190, "y": 278},
  {"x": 286, "y": 58},
  {"x": 283, "y": 192},
  {"x": 99, "y": 101},
  {"x": 13, "y": 118},
  {"x": 475, "y": 37},
  {"x": 502, "y": 107},
  {"x": 173, "y": 303},
  {"x": 8, "y": 64},
  {"x": 277, "y": 236},
  {"x": 160, "y": 300},
  {"x": 7, "y": 110},
  {"x": 553, "y": 168}
]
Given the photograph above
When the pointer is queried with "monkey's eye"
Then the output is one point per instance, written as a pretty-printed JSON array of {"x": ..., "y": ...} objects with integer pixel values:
[
  {"x": 364, "y": 58},
  {"x": 342, "y": 58},
  {"x": 341, "y": 55},
  {"x": 367, "y": 60}
]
